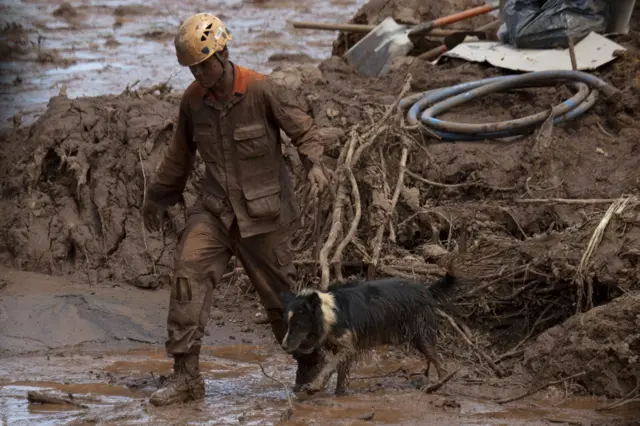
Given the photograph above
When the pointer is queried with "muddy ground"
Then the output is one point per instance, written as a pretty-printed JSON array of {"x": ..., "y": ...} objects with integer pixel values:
[
  {"x": 103, "y": 344},
  {"x": 72, "y": 188},
  {"x": 90, "y": 48}
]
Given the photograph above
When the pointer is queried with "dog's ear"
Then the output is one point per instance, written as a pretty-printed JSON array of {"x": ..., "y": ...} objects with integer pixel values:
[
  {"x": 286, "y": 297},
  {"x": 314, "y": 301}
]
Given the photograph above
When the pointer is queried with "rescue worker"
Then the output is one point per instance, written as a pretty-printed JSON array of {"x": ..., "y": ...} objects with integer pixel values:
[{"x": 246, "y": 207}]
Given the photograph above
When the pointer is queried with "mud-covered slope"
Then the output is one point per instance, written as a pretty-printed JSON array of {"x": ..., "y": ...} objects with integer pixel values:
[
  {"x": 603, "y": 343},
  {"x": 72, "y": 202}
]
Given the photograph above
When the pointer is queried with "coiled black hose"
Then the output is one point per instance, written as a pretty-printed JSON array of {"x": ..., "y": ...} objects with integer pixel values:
[{"x": 432, "y": 103}]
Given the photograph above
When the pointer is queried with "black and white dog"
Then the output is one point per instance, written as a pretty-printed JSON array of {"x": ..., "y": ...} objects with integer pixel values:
[{"x": 350, "y": 318}]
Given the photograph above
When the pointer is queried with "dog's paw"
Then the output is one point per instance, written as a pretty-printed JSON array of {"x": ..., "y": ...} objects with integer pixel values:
[
  {"x": 310, "y": 389},
  {"x": 419, "y": 382},
  {"x": 301, "y": 396},
  {"x": 342, "y": 391}
]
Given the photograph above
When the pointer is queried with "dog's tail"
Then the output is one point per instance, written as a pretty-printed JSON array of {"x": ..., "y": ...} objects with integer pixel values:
[{"x": 441, "y": 289}]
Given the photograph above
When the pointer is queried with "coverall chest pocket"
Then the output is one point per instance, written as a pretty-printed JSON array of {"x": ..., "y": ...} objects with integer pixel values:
[
  {"x": 251, "y": 141},
  {"x": 205, "y": 140},
  {"x": 263, "y": 199}
]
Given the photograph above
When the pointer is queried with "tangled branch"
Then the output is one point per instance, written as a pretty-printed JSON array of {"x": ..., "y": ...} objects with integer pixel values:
[{"x": 350, "y": 155}]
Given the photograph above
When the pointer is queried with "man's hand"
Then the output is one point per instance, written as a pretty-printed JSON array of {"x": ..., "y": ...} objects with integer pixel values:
[
  {"x": 317, "y": 180},
  {"x": 152, "y": 215}
]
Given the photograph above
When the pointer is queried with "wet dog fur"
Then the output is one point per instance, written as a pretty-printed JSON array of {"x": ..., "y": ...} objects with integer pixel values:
[{"x": 351, "y": 318}]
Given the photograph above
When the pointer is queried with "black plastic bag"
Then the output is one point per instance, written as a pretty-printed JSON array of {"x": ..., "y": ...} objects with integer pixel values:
[{"x": 547, "y": 24}]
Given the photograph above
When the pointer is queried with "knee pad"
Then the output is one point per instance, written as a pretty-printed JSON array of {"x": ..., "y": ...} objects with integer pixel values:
[{"x": 181, "y": 289}]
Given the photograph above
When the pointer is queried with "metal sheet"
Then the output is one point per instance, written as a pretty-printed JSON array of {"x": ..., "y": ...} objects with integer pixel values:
[{"x": 591, "y": 52}]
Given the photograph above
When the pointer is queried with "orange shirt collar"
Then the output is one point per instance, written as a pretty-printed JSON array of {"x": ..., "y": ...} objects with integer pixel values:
[{"x": 241, "y": 79}]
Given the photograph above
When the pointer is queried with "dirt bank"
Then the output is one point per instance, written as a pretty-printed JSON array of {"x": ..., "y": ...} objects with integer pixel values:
[
  {"x": 604, "y": 343},
  {"x": 83, "y": 180},
  {"x": 46, "y": 314},
  {"x": 72, "y": 185}
]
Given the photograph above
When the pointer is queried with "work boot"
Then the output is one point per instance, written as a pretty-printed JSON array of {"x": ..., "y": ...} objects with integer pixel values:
[
  {"x": 309, "y": 366},
  {"x": 184, "y": 384}
]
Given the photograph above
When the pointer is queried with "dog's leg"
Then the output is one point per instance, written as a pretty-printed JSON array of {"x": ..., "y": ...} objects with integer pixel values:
[
  {"x": 430, "y": 355},
  {"x": 342, "y": 382},
  {"x": 328, "y": 377},
  {"x": 325, "y": 374},
  {"x": 345, "y": 351}
]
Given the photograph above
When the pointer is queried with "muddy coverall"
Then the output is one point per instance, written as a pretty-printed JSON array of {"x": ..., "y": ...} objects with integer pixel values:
[{"x": 247, "y": 204}]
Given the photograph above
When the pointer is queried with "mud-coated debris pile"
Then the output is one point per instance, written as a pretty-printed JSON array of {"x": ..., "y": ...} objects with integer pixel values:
[
  {"x": 72, "y": 202},
  {"x": 604, "y": 343},
  {"x": 519, "y": 219}
]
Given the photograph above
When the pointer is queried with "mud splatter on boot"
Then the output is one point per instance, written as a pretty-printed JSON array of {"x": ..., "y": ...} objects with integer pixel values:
[{"x": 184, "y": 384}]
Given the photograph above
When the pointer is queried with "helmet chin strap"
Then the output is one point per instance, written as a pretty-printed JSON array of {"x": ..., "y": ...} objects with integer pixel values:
[{"x": 224, "y": 70}]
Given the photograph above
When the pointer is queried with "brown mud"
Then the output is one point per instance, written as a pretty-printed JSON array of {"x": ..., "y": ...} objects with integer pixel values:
[
  {"x": 238, "y": 393},
  {"x": 71, "y": 191},
  {"x": 41, "y": 313},
  {"x": 107, "y": 380},
  {"x": 606, "y": 338}
]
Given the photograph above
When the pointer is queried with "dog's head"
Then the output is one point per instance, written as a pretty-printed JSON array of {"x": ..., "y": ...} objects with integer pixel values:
[{"x": 304, "y": 317}]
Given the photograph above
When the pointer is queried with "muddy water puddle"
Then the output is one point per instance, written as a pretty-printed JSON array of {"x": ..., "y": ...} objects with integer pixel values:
[
  {"x": 100, "y": 47},
  {"x": 112, "y": 388}
]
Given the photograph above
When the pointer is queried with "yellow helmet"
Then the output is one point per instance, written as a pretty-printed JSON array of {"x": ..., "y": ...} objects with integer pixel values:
[{"x": 199, "y": 37}]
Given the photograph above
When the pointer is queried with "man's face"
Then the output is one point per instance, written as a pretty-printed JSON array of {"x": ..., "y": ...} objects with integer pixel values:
[{"x": 208, "y": 72}]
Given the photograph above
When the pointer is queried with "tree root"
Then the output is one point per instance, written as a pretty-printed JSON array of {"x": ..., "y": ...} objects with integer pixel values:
[{"x": 537, "y": 389}]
